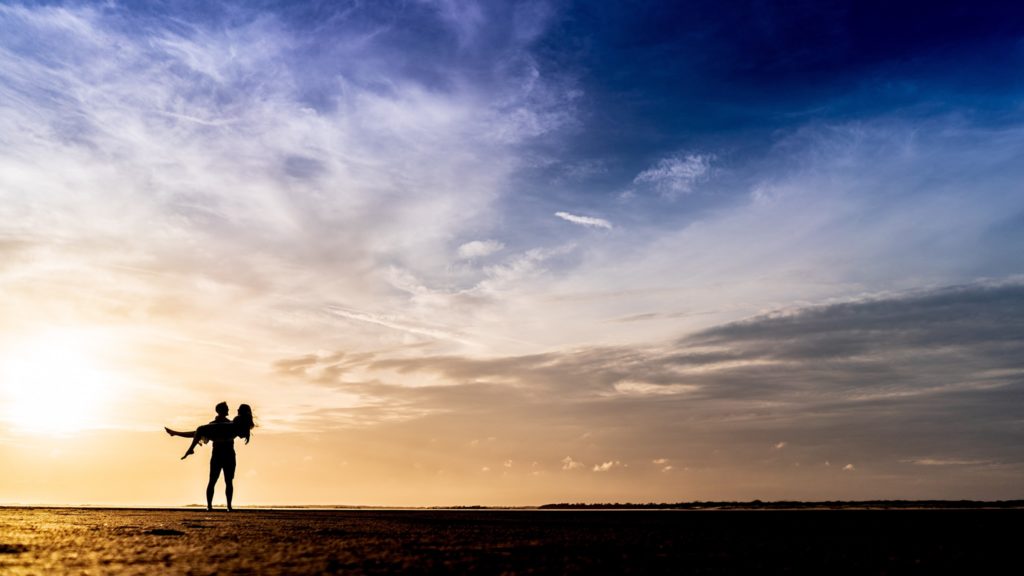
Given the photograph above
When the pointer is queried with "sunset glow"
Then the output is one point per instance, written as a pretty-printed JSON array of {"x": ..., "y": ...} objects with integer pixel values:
[
  {"x": 460, "y": 252},
  {"x": 52, "y": 385}
]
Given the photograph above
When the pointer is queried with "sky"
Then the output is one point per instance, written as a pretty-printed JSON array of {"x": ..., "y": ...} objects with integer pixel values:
[{"x": 459, "y": 252}]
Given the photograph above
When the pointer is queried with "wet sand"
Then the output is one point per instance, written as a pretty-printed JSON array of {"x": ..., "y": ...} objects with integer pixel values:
[{"x": 187, "y": 541}]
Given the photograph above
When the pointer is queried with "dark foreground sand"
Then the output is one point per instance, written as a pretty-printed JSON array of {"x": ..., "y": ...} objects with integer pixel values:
[{"x": 120, "y": 541}]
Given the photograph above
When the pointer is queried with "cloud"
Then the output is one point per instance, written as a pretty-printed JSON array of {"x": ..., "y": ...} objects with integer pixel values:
[
  {"x": 634, "y": 388},
  {"x": 663, "y": 463},
  {"x": 945, "y": 462},
  {"x": 906, "y": 349},
  {"x": 569, "y": 464},
  {"x": 866, "y": 329},
  {"x": 814, "y": 238},
  {"x": 846, "y": 377},
  {"x": 676, "y": 175},
  {"x": 479, "y": 248},
  {"x": 465, "y": 17},
  {"x": 371, "y": 168},
  {"x": 849, "y": 468},
  {"x": 606, "y": 466},
  {"x": 585, "y": 169},
  {"x": 587, "y": 221},
  {"x": 397, "y": 323}
]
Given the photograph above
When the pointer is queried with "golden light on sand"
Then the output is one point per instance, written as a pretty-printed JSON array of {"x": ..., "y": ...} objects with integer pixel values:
[{"x": 52, "y": 384}]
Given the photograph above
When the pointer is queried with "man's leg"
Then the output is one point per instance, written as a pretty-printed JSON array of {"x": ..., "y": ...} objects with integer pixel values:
[
  {"x": 229, "y": 479},
  {"x": 214, "y": 474}
]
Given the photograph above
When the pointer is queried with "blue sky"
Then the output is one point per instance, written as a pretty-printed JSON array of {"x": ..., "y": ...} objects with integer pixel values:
[{"x": 556, "y": 238}]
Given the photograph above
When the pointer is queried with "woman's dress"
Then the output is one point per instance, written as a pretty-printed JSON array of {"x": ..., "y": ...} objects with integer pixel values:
[{"x": 216, "y": 432}]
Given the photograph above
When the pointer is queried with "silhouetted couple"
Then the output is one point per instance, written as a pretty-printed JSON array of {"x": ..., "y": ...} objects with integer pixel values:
[{"x": 222, "y": 432}]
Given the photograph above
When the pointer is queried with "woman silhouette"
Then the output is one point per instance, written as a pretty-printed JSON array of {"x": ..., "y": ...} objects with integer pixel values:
[{"x": 220, "y": 429}]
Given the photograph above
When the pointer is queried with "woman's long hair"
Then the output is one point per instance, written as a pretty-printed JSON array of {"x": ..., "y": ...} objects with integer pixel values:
[{"x": 244, "y": 421}]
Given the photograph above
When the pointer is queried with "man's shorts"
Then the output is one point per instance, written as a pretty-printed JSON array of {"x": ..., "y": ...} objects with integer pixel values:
[{"x": 223, "y": 460}]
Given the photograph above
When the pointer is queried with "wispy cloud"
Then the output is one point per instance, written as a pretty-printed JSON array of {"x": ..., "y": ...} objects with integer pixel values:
[
  {"x": 395, "y": 323},
  {"x": 172, "y": 133},
  {"x": 588, "y": 221},
  {"x": 945, "y": 462},
  {"x": 676, "y": 175},
  {"x": 632, "y": 387},
  {"x": 479, "y": 248}
]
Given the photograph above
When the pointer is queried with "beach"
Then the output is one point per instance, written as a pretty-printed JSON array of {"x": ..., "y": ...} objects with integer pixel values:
[{"x": 247, "y": 541}]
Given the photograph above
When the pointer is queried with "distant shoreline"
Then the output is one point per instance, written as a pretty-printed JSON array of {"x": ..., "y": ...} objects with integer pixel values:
[
  {"x": 691, "y": 506},
  {"x": 800, "y": 505}
]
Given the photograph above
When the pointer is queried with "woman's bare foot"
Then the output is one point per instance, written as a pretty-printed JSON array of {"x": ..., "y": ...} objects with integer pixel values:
[
  {"x": 169, "y": 431},
  {"x": 187, "y": 454}
]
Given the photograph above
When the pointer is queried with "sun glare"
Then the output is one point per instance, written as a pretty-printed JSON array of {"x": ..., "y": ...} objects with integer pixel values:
[{"x": 53, "y": 385}]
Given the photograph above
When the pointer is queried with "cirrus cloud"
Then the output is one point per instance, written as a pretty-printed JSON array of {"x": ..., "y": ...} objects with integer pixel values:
[
  {"x": 588, "y": 221},
  {"x": 676, "y": 175}
]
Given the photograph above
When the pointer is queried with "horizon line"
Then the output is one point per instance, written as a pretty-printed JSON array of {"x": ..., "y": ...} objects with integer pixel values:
[{"x": 682, "y": 505}]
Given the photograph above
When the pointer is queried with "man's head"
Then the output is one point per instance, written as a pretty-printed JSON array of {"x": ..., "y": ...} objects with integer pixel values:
[{"x": 222, "y": 409}]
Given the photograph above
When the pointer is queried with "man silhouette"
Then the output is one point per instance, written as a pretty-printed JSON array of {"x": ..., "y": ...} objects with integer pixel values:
[{"x": 223, "y": 455}]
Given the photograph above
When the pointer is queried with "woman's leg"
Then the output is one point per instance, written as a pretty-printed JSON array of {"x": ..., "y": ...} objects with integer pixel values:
[
  {"x": 185, "y": 434},
  {"x": 192, "y": 448}
]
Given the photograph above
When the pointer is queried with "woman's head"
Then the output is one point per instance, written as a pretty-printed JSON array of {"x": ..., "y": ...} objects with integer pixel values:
[
  {"x": 245, "y": 416},
  {"x": 244, "y": 422}
]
